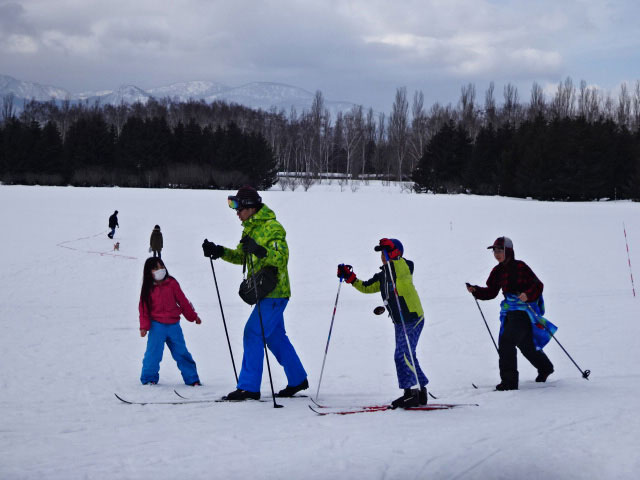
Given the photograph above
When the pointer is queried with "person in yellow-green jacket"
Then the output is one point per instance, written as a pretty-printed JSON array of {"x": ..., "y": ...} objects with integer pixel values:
[
  {"x": 398, "y": 290},
  {"x": 264, "y": 240}
]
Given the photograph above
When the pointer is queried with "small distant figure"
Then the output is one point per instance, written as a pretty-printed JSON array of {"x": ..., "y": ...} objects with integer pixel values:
[
  {"x": 116, "y": 246},
  {"x": 113, "y": 223},
  {"x": 155, "y": 242}
]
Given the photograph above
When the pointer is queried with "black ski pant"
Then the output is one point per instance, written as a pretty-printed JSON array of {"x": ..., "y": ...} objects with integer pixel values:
[{"x": 517, "y": 332}]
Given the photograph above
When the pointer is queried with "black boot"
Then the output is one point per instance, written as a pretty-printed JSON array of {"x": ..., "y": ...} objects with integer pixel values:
[
  {"x": 503, "y": 386},
  {"x": 291, "y": 391},
  {"x": 411, "y": 398},
  {"x": 423, "y": 396},
  {"x": 239, "y": 395},
  {"x": 542, "y": 376}
]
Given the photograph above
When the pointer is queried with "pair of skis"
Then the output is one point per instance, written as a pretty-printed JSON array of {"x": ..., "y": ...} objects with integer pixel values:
[
  {"x": 327, "y": 410},
  {"x": 316, "y": 407},
  {"x": 182, "y": 400}
]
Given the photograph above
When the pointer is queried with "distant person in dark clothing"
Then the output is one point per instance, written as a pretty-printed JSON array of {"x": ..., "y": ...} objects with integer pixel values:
[
  {"x": 113, "y": 223},
  {"x": 155, "y": 242},
  {"x": 523, "y": 292}
]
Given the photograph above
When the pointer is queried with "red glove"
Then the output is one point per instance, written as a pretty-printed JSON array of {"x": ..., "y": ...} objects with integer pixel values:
[
  {"x": 346, "y": 272},
  {"x": 389, "y": 247}
]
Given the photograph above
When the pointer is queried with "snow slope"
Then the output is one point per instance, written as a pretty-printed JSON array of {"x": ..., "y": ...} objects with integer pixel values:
[{"x": 70, "y": 340}]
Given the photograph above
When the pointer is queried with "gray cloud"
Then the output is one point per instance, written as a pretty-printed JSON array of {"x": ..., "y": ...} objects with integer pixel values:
[{"x": 352, "y": 50}]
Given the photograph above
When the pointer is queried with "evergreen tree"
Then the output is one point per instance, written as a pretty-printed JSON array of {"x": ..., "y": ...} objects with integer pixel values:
[
  {"x": 482, "y": 172},
  {"x": 89, "y": 142},
  {"x": 446, "y": 155},
  {"x": 50, "y": 150}
]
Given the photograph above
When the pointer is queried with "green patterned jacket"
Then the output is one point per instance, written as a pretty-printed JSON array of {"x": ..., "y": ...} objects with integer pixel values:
[{"x": 267, "y": 232}]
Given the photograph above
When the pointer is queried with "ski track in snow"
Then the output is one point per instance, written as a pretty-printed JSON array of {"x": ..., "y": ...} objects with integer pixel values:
[{"x": 70, "y": 331}]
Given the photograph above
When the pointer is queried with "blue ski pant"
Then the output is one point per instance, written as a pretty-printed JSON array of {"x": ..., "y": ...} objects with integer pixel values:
[
  {"x": 404, "y": 369},
  {"x": 272, "y": 310},
  {"x": 171, "y": 334}
]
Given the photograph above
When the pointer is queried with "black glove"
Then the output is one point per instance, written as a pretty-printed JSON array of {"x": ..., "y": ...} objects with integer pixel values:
[
  {"x": 249, "y": 246},
  {"x": 212, "y": 250}
]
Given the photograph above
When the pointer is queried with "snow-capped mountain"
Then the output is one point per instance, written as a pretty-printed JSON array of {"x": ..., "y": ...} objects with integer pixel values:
[
  {"x": 183, "y": 91},
  {"x": 123, "y": 94},
  {"x": 30, "y": 90},
  {"x": 267, "y": 95},
  {"x": 256, "y": 95}
]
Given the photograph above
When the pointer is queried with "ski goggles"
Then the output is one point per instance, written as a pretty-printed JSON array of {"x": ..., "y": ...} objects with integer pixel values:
[
  {"x": 238, "y": 203},
  {"x": 234, "y": 202}
]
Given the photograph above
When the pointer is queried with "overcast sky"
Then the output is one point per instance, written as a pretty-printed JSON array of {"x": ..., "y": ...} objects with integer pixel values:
[{"x": 358, "y": 51}]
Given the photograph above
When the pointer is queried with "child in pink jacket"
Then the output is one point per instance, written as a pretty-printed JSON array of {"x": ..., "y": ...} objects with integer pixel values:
[{"x": 161, "y": 303}]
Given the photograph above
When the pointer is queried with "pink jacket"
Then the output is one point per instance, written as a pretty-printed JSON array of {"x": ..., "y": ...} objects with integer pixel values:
[{"x": 167, "y": 303}]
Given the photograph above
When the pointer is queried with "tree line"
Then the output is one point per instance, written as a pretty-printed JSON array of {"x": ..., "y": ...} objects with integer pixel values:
[
  {"x": 581, "y": 143},
  {"x": 143, "y": 153},
  {"x": 562, "y": 159}
]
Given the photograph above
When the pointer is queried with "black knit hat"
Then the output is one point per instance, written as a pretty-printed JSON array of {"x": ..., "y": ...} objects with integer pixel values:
[{"x": 247, "y": 197}]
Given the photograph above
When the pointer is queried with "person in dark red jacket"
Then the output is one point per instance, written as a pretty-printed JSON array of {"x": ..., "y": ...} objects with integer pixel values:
[
  {"x": 514, "y": 277},
  {"x": 161, "y": 304}
]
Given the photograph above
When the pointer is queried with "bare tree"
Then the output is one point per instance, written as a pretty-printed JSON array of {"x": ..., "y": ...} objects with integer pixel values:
[
  {"x": 317, "y": 135},
  {"x": 440, "y": 116},
  {"x": 511, "y": 107},
  {"x": 623, "y": 114},
  {"x": 8, "y": 111},
  {"x": 419, "y": 133},
  {"x": 468, "y": 109},
  {"x": 608, "y": 107},
  {"x": 369, "y": 137},
  {"x": 352, "y": 137},
  {"x": 588, "y": 102},
  {"x": 563, "y": 103},
  {"x": 490, "y": 110},
  {"x": 381, "y": 159},
  {"x": 636, "y": 107},
  {"x": 537, "y": 105},
  {"x": 399, "y": 129}
]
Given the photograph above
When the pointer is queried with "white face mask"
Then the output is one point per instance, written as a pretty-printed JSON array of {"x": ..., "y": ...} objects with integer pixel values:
[{"x": 159, "y": 275}]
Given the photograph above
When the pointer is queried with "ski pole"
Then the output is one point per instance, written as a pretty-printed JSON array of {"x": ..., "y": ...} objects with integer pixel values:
[
  {"x": 485, "y": 322},
  {"x": 264, "y": 340},
  {"x": 404, "y": 328},
  {"x": 223, "y": 320},
  {"x": 326, "y": 349},
  {"x": 628, "y": 258},
  {"x": 585, "y": 373}
]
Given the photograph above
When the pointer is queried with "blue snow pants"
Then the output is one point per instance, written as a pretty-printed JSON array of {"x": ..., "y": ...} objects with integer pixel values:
[
  {"x": 171, "y": 334},
  {"x": 272, "y": 310},
  {"x": 406, "y": 376}
]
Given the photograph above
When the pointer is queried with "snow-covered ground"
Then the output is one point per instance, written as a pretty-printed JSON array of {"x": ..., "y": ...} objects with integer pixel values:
[{"x": 70, "y": 340}]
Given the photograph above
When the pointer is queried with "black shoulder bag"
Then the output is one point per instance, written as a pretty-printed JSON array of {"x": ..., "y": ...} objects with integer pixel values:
[{"x": 259, "y": 285}]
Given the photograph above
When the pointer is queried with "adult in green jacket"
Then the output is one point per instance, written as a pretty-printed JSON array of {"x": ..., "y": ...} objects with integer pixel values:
[{"x": 263, "y": 245}]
